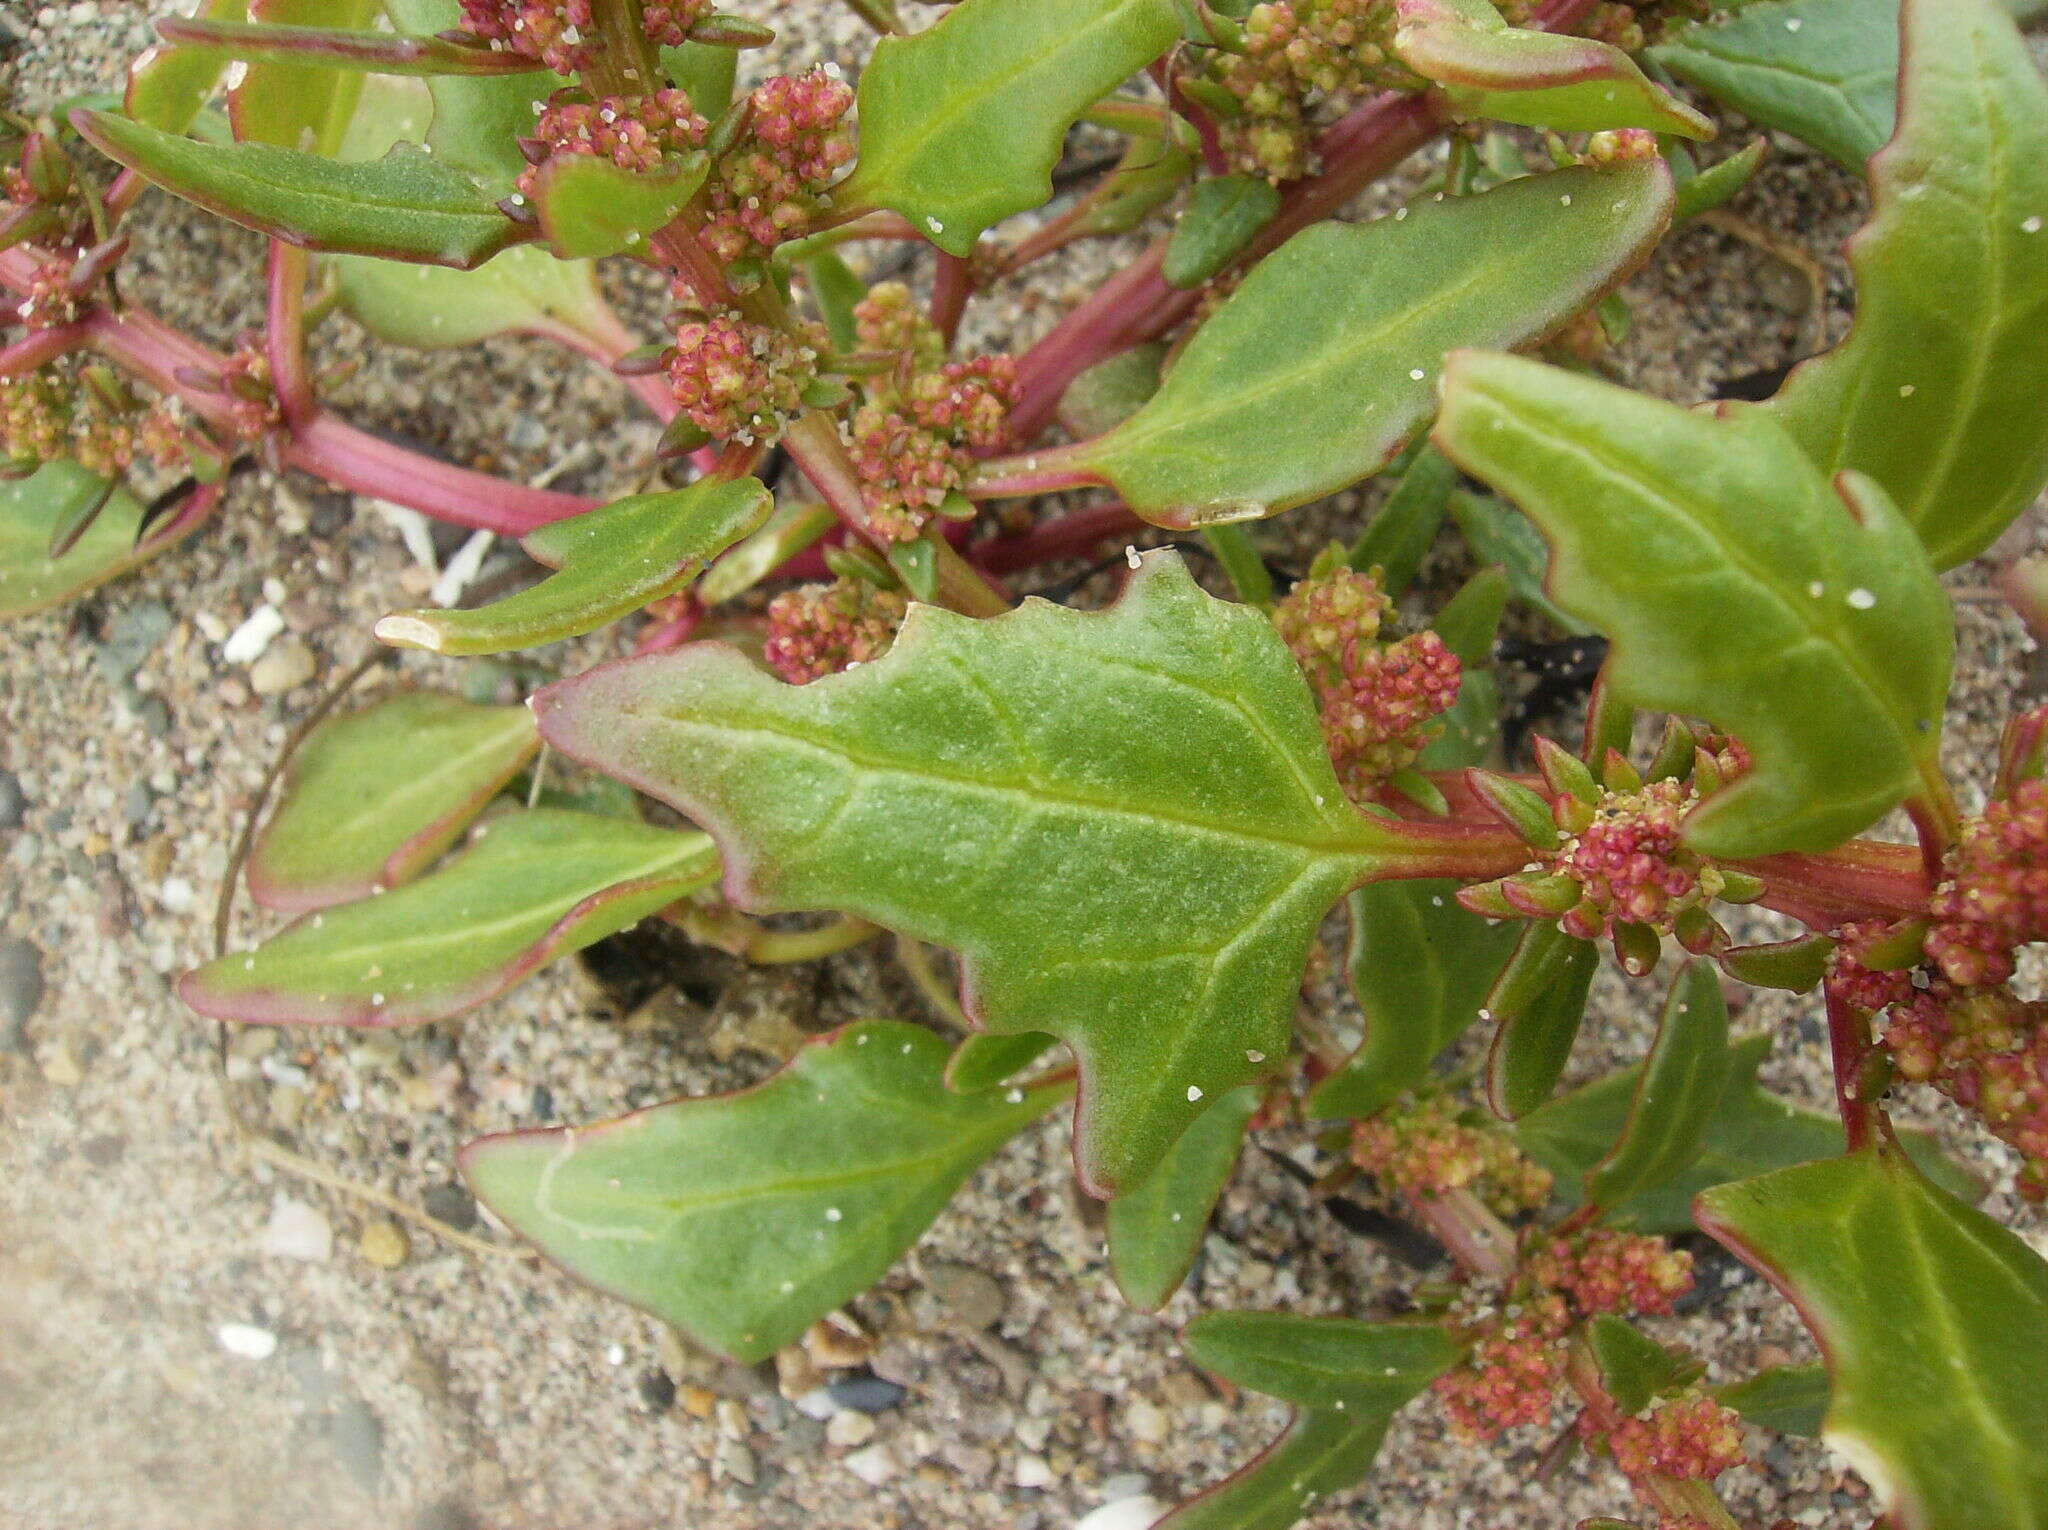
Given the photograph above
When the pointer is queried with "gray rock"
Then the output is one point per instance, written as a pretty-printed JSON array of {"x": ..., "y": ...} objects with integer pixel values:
[
  {"x": 356, "y": 1436},
  {"x": 21, "y": 990},
  {"x": 971, "y": 1299},
  {"x": 154, "y": 713},
  {"x": 866, "y": 1394},
  {"x": 451, "y": 1204},
  {"x": 129, "y": 638},
  {"x": 136, "y": 804},
  {"x": 285, "y": 665},
  {"x": 13, "y": 801}
]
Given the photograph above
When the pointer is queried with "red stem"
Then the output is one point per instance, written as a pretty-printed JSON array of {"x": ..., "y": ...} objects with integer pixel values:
[
  {"x": 285, "y": 333},
  {"x": 1859, "y": 880},
  {"x": 1031, "y": 474},
  {"x": 42, "y": 346},
  {"x": 1068, "y": 536},
  {"x": 1849, "y": 1043},
  {"x": 952, "y": 285}
]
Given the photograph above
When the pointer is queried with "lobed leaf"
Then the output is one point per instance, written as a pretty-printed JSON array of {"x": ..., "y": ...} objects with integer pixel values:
[
  {"x": 1752, "y": 1132},
  {"x": 961, "y": 125},
  {"x": 32, "y": 508},
  {"x": 1933, "y": 1320},
  {"x": 1155, "y": 1229},
  {"x": 609, "y": 562},
  {"x": 1536, "y": 78},
  {"x": 589, "y": 207},
  {"x": 742, "y": 1218},
  {"x": 1791, "y": 1399},
  {"x": 1940, "y": 392},
  {"x": 532, "y": 887},
  {"x": 405, "y": 206},
  {"x": 1125, "y": 821},
  {"x": 1728, "y": 576},
  {"x": 1677, "y": 1093},
  {"x": 1323, "y": 363},
  {"x": 373, "y": 797}
]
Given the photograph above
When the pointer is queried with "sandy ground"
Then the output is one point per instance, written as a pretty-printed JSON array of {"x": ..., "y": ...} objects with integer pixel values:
[{"x": 426, "y": 1386}]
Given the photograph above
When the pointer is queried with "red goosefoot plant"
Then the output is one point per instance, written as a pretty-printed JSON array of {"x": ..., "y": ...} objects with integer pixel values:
[{"x": 1130, "y": 823}]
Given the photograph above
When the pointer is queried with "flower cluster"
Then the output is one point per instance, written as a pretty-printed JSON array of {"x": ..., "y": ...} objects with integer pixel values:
[
  {"x": 1988, "y": 1051},
  {"x": 1297, "y": 57},
  {"x": 735, "y": 379},
  {"x": 56, "y": 413},
  {"x": 1631, "y": 863},
  {"x": 555, "y": 32},
  {"x": 1692, "y": 1437},
  {"x": 888, "y": 320},
  {"x": 1510, "y": 1376},
  {"x": 913, "y": 444},
  {"x": 1996, "y": 894},
  {"x": 820, "y": 629},
  {"x": 1426, "y": 1149},
  {"x": 1607, "y": 1271},
  {"x": 634, "y": 133},
  {"x": 1377, "y": 699},
  {"x": 770, "y": 186},
  {"x": 1632, "y": 25}
]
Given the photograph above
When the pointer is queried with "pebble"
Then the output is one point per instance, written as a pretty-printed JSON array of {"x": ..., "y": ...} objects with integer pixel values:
[
  {"x": 296, "y": 1231},
  {"x": 1146, "y": 1423},
  {"x": 656, "y": 1390},
  {"x": 971, "y": 1298},
  {"x": 21, "y": 990},
  {"x": 13, "y": 801},
  {"x": 384, "y": 1244},
  {"x": 1123, "y": 1485},
  {"x": 1032, "y": 1472},
  {"x": 733, "y": 1460},
  {"x": 698, "y": 1402},
  {"x": 1139, "y": 1513},
  {"x": 246, "y": 643},
  {"x": 849, "y": 1429},
  {"x": 874, "y": 1466},
  {"x": 247, "y": 1340},
  {"x": 451, "y": 1204},
  {"x": 285, "y": 667},
  {"x": 866, "y": 1394},
  {"x": 356, "y": 1436},
  {"x": 129, "y": 637}
]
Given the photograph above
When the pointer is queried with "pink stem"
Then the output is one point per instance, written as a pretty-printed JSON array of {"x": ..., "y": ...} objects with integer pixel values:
[
  {"x": 1849, "y": 1043},
  {"x": 285, "y": 333},
  {"x": 1068, "y": 536},
  {"x": 41, "y": 346},
  {"x": 354, "y": 459},
  {"x": 952, "y": 285},
  {"x": 1030, "y": 474}
]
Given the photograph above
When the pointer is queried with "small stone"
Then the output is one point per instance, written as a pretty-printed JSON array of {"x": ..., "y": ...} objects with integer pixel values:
[
  {"x": 451, "y": 1204},
  {"x": 1147, "y": 1423},
  {"x": 656, "y": 1391},
  {"x": 815, "y": 1404},
  {"x": 154, "y": 713},
  {"x": 246, "y": 643},
  {"x": 1123, "y": 1485},
  {"x": 13, "y": 801},
  {"x": 796, "y": 1374},
  {"x": 698, "y": 1402},
  {"x": 129, "y": 638},
  {"x": 866, "y": 1394},
  {"x": 296, "y": 1231},
  {"x": 874, "y": 1466},
  {"x": 103, "y": 1151},
  {"x": 247, "y": 1340},
  {"x": 384, "y": 1244},
  {"x": 734, "y": 1461},
  {"x": 1032, "y": 1472},
  {"x": 1139, "y": 1513},
  {"x": 972, "y": 1299},
  {"x": 835, "y": 1346},
  {"x": 21, "y": 990},
  {"x": 287, "y": 1106},
  {"x": 357, "y": 1438},
  {"x": 849, "y": 1429},
  {"x": 286, "y": 666}
]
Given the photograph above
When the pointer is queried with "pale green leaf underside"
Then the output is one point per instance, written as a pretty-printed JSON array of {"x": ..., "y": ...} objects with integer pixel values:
[
  {"x": 1826, "y": 71},
  {"x": 1154, "y": 1230},
  {"x": 31, "y": 509},
  {"x": 742, "y": 1218},
  {"x": 534, "y": 886},
  {"x": 609, "y": 563},
  {"x": 1934, "y": 1322},
  {"x": 1729, "y": 576},
  {"x": 1124, "y": 820},
  {"x": 962, "y": 124},
  {"x": 1940, "y": 392},
  {"x": 373, "y": 797},
  {"x": 525, "y": 289},
  {"x": 1325, "y": 361}
]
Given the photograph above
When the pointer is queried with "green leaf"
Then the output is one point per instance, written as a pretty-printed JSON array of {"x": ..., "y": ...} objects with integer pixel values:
[
  {"x": 1324, "y": 362},
  {"x": 790, "y": 529},
  {"x": 1501, "y": 535},
  {"x": 168, "y": 86},
  {"x": 1753, "y": 1132},
  {"x": 1420, "y": 968},
  {"x": 837, "y": 291},
  {"x": 1111, "y": 391},
  {"x": 983, "y": 1061},
  {"x": 328, "y": 47},
  {"x": 742, "y": 1218},
  {"x": 32, "y": 508},
  {"x": 1534, "y": 1039},
  {"x": 1677, "y": 1095},
  {"x": 962, "y": 124},
  {"x": 1825, "y": 71},
  {"x": 1539, "y": 79},
  {"x": 610, "y": 562},
  {"x": 373, "y": 797},
  {"x": 1224, "y": 214},
  {"x": 1155, "y": 1229},
  {"x": 1400, "y": 535},
  {"x": 1717, "y": 184},
  {"x": 477, "y": 122},
  {"x": 525, "y": 290},
  {"x": 297, "y": 105},
  {"x": 1933, "y": 1320},
  {"x": 532, "y": 887},
  {"x": 1940, "y": 392},
  {"x": 1728, "y": 575},
  {"x": 704, "y": 72},
  {"x": 590, "y": 207},
  {"x": 1347, "y": 1378},
  {"x": 1125, "y": 821},
  {"x": 406, "y": 206},
  {"x": 1791, "y": 1399},
  {"x": 1633, "y": 1367}
]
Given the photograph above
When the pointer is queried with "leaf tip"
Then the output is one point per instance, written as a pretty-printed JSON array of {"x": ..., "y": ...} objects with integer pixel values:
[{"x": 409, "y": 629}]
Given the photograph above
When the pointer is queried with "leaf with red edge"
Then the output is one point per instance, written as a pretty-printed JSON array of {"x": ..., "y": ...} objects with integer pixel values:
[
  {"x": 743, "y": 1218},
  {"x": 532, "y": 887},
  {"x": 1933, "y": 1320},
  {"x": 1154, "y": 1230},
  {"x": 373, "y": 797}
]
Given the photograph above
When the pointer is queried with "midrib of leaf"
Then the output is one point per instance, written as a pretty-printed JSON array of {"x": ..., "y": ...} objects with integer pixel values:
[
  {"x": 1323, "y": 361},
  {"x": 392, "y": 803},
  {"x": 1803, "y": 615},
  {"x": 942, "y": 122},
  {"x": 246, "y": 177}
]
